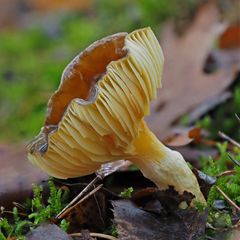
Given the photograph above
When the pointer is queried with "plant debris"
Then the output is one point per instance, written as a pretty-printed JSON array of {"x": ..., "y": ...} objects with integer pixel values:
[
  {"x": 47, "y": 231},
  {"x": 141, "y": 217}
]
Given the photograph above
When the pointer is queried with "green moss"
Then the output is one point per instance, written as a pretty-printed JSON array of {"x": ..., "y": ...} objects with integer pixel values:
[
  {"x": 229, "y": 184},
  {"x": 127, "y": 193},
  {"x": 114, "y": 231},
  {"x": 64, "y": 225},
  {"x": 37, "y": 213},
  {"x": 200, "y": 206},
  {"x": 219, "y": 219},
  {"x": 212, "y": 166}
]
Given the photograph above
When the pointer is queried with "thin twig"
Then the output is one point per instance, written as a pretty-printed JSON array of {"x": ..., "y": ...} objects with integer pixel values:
[
  {"x": 230, "y": 201},
  {"x": 63, "y": 214},
  {"x": 68, "y": 184},
  {"x": 10, "y": 212},
  {"x": 226, "y": 137},
  {"x": 238, "y": 118},
  {"x": 83, "y": 192},
  {"x": 99, "y": 235},
  {"x": 210, "y": 238},
  {"x": 106, "y": 170},
  {"x": 210, "y": 226},
  {"x": 233, "y": 159},
  {"x": 19, "y": 205},
  {"x": 226, "y": 173}
]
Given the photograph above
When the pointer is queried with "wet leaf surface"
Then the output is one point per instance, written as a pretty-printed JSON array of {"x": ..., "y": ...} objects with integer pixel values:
[
  {"x": 155, "y": 214},
  {"x": 205, "y": 181},
  {"x": 47, "y": 231},
  {"x": 219, "y": 204}
]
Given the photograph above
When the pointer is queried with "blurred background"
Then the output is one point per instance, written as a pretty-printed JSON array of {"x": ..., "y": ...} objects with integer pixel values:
[{"x": 38, "y": 38}]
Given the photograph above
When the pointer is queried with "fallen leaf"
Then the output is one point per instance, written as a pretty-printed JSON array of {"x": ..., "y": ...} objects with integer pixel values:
[
  {"x": 224, "y": 59},
  {"x": 230, "y": 38},
  {"x": 158, "y": 217},
  {"x": 47, "y": 231},
  {"x": 183, "y": 137},
  {"x": 205, "y": 181},
  {"x": 219, "y": 204},
  {"x": 207, "y": 106},
  {"x": 185, "y": 85}
]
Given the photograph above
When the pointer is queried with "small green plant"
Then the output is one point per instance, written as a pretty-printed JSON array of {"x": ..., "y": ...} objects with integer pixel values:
[
  {"x": 111, "y": 230},
  {"x": 200, "y": 206},
  {"x": 64, "y": 225},
  {"x": 114, "y": 230},
  {"x": 38, "y": 212},
  {"x": 212, "y": 166},
  {"x": 127, "y": 193},
  {"x": 229, "y": 184}
]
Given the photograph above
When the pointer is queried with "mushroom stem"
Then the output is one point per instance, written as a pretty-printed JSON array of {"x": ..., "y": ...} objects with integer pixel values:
[{"x": 162, "y": 165}]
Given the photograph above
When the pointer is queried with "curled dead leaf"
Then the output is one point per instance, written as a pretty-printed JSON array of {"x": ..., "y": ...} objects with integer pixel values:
[
  {"x": 184, "y": 137},
  {"x": 184, "y": 81}
]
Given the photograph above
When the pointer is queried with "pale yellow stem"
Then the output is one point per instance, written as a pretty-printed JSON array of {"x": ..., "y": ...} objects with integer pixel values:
[{"x": 162, "y": 165}]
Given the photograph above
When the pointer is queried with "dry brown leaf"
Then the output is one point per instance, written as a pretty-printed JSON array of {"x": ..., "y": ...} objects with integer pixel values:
[
  {"x": 185, "y": 86},
  {"x": 230, "y": 39},
  {"x": 92, "y": 214},
  {"x": 184, "y": 137}
]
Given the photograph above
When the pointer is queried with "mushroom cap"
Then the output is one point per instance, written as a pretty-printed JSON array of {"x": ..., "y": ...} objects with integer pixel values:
[{"x": 95, "y": 114}]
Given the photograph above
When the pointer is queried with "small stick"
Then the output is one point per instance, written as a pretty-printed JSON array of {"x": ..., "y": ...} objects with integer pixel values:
[
  {"x": 226, "y": 173},
  {"x": 238, "y": 118},
  {"x": 18, "y": 205},
  {"x": 226, "y": 137},
  {"x": 10, "y": 212},
  {"x": 63, "y": 214},
  {"x": 230, "y": 201},
  {"x": 210, "y": 238},
  {"x": 100, "y": 235},
  {"x": 84, "y": 191},
  {"x": 106, "y": 170},
  {"x": 233, "y": 159}
]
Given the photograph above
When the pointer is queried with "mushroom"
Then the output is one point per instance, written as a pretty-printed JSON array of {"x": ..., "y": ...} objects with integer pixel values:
[{"x": 97, "y": 115}]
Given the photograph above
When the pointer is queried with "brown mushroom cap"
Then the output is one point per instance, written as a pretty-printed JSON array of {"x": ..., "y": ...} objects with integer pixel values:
[{"x": 103, "y": 97}]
